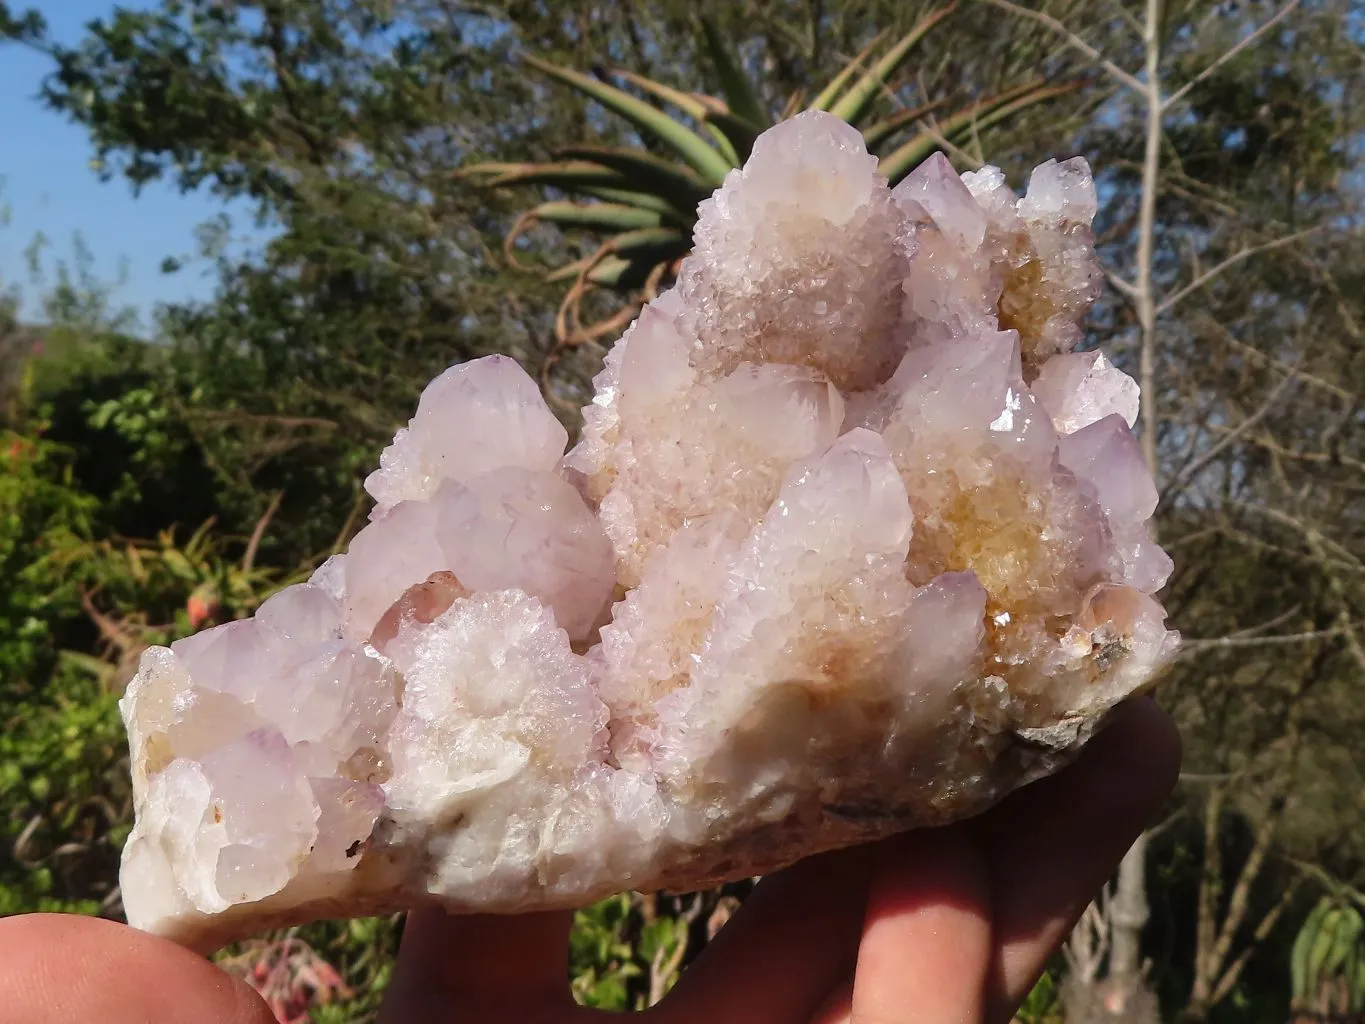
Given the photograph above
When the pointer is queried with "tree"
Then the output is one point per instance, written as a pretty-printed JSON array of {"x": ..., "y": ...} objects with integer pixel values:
[{"x": 1235, "y": 170}]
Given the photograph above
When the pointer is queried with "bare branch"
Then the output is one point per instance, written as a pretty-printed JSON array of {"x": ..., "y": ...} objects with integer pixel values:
[
  {"x": 932, "y": 130},
  {"x": 1317, "y": 458},
  {"x": 1075, "y": 42},
  {"x": 1184, "y": 90},
  {"x": 1265, "y": 548},
  {"x": 1088, "y": 944},
  {"x": 1317, "y": 543},
  {"x": 249, "y": 557},
  {"x": 1338, "y": 591},
  {"x": 1169, "y": 303},
  {"x": 1239, "y": 901},
  {"x": 1262, "y": 932},
  {"x": 1127, "y": 17},
  {"x": 1189, "y": 472},
  {"x": 663, "y": 971},
  {"x": 1121, "y": 285},
  {"x": 1210, "y": 898},
  {"x": 287, "y": 422},
  {"x": 1256, "y": 354},
  {"x": 1271, "y": 623},
  {"x": 1189, "y": 648},
  {"x": 1146, "y": 237}
]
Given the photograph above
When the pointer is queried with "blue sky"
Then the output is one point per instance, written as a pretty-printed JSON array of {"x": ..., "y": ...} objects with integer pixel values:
[{"x": 48, "y": 186}]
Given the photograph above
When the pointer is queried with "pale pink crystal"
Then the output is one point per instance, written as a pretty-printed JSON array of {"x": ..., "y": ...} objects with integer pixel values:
[
  {"x": 1079, "y": 388},
  {"x": 477, "y": 416}
]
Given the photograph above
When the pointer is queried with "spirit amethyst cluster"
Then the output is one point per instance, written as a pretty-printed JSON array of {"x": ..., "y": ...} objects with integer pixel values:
[{"x": 852, "y": 542}]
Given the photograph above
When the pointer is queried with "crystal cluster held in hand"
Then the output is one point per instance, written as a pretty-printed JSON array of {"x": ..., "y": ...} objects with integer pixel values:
[{"x": 852, "y": 541}]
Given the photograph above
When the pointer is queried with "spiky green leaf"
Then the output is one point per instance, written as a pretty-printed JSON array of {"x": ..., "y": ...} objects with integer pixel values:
[
  {"x": 723, "y": 143},
  {"x": 692, "y": 105},
  {"x": 595, "y": 216},
  {"x": 739, "y": 132},
  {"x": 740, "y": 94},
  {"x": 645, "y": 201},
  {"x": 853, "y": 105},
  {"x": 1355, "y": 979},
  {"x": 606, "y": 273},
  {"x": 1345, "y": 935},
  {"x": 830, "y": 92},
  {"x": 689, "y": 103},
  {"x": 1299, "y": 956},
  {"x": 568, "y": 175},
  {"x": 699, "y": 154},
  {"x": 650, "y": 245},
  {"x": 645, "y": 172},
  {"x": 1321, "y": 948},
  {"x": 876, "y": 134}
]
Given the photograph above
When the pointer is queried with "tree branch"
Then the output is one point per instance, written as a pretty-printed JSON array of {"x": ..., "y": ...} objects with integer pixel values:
[
  {"x": 1262, "y": 932},
  {"x": 1256, "y": 354},
  {"x": 1192, "y": 647},
  {"x": 1121, "y": 285},
  {"x": 1190, "y": 471},
  {"x": 1146, "y": 239},
  {"x": 1184, "y": 90},
  {"x": 1075, "y": 42},
  {"x": 1227, "y": 264}
]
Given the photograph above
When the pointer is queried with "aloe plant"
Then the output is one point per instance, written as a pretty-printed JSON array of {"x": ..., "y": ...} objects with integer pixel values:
[
  {"x": 1327, "y": 965},
  {"x": 643, "y": 207}
]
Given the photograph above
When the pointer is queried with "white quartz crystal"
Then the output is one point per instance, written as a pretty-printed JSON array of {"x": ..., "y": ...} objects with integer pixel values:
[
  {"x": 1079, "y": 388},
  {"x": 851, "y": 542}
]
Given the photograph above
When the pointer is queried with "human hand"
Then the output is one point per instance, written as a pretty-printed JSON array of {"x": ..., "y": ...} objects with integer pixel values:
[{"x": 948, "y": 926}]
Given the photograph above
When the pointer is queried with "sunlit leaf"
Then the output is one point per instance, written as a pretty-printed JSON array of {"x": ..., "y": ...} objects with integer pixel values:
[
  {"x": 740, "y": 94},
  {"x": 700, "y": 155},
  {"x": 854, "y": 104}
]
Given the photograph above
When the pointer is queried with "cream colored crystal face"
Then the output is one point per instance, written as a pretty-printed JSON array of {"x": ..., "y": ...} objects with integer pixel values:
[{"x": 851, "y": 543}]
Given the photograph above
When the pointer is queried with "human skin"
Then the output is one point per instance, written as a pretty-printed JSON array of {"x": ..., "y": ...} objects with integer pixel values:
[{"x": 942, "y": 926}]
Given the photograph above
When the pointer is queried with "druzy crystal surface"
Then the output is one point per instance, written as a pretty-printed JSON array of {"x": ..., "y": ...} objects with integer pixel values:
[{"x": 852, "y": 541}]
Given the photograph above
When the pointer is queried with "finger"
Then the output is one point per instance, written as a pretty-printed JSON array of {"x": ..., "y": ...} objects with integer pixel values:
[
  {"x": 794, "y": 939},
  {"x": 838, "y": 1008},
  {"x": 926, "y": 946},
  {"x": 479, "y": 960},
  {"x": 60, "y": 969},
  {"x": 1054, "y": 844}
]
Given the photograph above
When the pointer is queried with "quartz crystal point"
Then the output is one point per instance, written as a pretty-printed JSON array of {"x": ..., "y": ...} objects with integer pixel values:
[{"x": 852, "y": 542}]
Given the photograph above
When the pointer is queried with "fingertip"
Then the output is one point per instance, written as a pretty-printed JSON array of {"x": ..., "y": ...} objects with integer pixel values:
[
  {"x": 928, "y": 922},
  {"x": 1136, "y": 756},
  {"x": 1053, "y": 844},
  {"x": 58, "y": 968}
]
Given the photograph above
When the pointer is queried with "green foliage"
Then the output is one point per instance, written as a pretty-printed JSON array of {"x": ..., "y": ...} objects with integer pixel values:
[
  {"x": 41, "y": 514},
  {"x": 64, "y": 798},
  {"x": 24, "y": 25},
  {"x": 1327, "y": 964},
  {"x": 646, "y": 206},
  {"x": 603, "y": 962},
  {"x": 1043, "y": 1005}
]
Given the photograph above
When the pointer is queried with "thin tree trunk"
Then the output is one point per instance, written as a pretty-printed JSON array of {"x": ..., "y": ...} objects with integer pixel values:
[
  {"x": 1128, "y": 913},
  {"x": 1145, "y": 297},
  {"x": 1129, "y": 909}
]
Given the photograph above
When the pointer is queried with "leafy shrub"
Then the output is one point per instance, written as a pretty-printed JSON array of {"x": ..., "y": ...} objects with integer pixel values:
[
  {"x": 40, "y": 514},
  {"x": 65, "y": 801}
]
